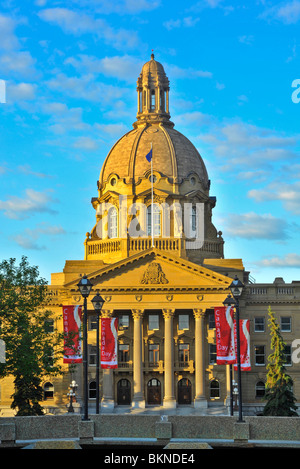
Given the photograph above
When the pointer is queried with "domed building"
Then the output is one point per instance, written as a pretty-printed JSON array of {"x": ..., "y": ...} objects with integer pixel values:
[
  {"x": 175, "y": 186},
  {"x": 158, "y": 262}
]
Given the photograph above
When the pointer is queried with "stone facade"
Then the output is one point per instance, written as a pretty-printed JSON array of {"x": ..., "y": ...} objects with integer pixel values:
[{"x": 162, "y": 289}]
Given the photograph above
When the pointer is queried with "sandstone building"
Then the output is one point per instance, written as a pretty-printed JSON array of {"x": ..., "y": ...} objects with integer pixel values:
[{"x": 158, "y": 261}]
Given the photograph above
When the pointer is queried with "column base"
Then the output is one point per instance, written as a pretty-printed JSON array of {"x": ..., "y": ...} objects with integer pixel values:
[
  {"x": 107, "y": 405},
  {"x": 138, "y": 404},
  {"x": 169, "y": 403},
  {"x": 200, "y": 403}
]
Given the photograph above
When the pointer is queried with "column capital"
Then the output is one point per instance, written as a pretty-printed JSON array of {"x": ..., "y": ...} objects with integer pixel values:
[
  {"x": 107, "y": 313},
  {"x": 199, "y": 313},
  {"x": 137, "y": 313},
  {"x": 168, "y": 313}
]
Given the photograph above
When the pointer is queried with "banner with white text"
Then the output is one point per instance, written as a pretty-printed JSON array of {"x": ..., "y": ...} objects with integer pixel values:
[
  {"x": 72, "y": 334},
  {"x": 109, "y": 343},
  {"x": 244, "y": 344},
  {"x": 225, "y": 335}
]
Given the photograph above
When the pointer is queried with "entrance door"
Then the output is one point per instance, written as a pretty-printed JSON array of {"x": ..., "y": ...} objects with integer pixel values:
[
  {"x": 154, "y": 392},
  {"x": 123, "y": 392},
  {"x": 184, "y": 391}
]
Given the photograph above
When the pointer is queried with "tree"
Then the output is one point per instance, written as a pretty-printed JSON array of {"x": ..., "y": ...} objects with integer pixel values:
[
  {"x": 29, "y": 346},
  {"x": 279, "y": 385}
]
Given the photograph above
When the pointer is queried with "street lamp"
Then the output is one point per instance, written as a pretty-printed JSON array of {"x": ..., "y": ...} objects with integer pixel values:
[
  {"x": 85, "y": 287},
  {"x": 98, "y": 302},
  {"x": 236, "y": 288},
  {"x": 73, "y": 386}
]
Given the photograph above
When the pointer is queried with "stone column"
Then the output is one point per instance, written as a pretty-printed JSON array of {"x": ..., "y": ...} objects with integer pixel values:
[
  {"x": 200, "y": 398},
  {"x": 138, "y": 385},
  {"x": 107, "y": 401},
  {"x": 169, "y": 396}
]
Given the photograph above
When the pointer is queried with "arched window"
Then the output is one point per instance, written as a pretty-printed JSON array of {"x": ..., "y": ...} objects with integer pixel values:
[
  {"x": 152, "y": 100},
  {"x": 260, "y": 389},
  {"x": 156, "y": 220},
  {"x": 194, "y": 221},
  {"x": 112, "y": 222},
  {"x": 214, "y": 389},
  {"x": 48, "y": 391}
]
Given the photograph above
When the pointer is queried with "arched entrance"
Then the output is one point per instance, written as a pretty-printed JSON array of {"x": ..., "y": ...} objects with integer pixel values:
[
  {"x": 154, "y": 392},
  {"x": 123, "y": 392},
  {"x": 184, "y": 391}
]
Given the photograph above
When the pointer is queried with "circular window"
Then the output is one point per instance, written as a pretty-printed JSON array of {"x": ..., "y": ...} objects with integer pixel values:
[
  {"x": 153, "y": 178},
  {"x": 193, "y": 181},
  {"x": 113, "y": 182}
]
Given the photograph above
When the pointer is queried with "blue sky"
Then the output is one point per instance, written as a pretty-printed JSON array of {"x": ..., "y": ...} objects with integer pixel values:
[{"x": 70, "y": 70}]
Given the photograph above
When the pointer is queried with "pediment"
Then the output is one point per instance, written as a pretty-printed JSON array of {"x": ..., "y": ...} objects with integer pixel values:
[{"x": 153, "y": 270}]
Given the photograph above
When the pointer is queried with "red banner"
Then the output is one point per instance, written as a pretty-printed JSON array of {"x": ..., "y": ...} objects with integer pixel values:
[
  {"x": 244, "y": 344},
  {"x": 224, "y": 335},
  {"x": 72, "y": 330},
  {"x": 109, "y": 343}
]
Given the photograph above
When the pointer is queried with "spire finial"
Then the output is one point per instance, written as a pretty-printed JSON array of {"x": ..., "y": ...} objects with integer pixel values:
[{"x": 152, "y": 55}]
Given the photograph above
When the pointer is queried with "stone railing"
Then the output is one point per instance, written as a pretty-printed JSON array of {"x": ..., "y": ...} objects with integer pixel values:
[{"x": 95, "y": 249}]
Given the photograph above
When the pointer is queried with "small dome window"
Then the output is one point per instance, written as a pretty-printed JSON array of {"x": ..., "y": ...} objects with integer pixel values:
[
  {"x": 113, "y": 182},
  {"x": 193, "y": 180}
]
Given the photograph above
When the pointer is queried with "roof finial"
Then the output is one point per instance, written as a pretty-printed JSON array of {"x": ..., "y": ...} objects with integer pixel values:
[{"x": 152, "y": 55}]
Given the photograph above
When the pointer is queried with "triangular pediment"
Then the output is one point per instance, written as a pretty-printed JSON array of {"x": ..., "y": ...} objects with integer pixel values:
[{"x": 153, "y": 269}]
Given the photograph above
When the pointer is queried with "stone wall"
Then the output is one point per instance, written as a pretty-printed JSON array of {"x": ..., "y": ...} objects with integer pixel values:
[{"x": 19, "y": 429}]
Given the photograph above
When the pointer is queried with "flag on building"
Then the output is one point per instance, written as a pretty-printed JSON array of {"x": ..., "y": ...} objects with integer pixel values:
[
  {"x": 149, "y": 155},
  {"x": 224, "y": 335},
  {"x": 109, "y": 342},
  {"x": 72, "y": 334}
]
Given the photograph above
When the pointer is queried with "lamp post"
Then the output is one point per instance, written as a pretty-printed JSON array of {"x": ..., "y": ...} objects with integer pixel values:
[
  {"x": 73, "y": 386},
  {"x": 98, "y": 302},
  {"x": 85, "y": 287},
  {"x": 236, "y": 288}
]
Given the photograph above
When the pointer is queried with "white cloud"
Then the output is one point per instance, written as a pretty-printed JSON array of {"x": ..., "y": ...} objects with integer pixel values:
[
  {"x": 85, "y": 87},
  {"x": 287, "y": 261},
  {"x": 20, "y": 92},
  {"x": 28, "y": 239},
  {"x": 186, "y": 22},
  {"x": 287, "y": 12},
  {"x": 8, "y": 39},
  {"x": 125, "y": 68},
  {"x": 78, "y": 23},
  {"x": 22, "y": 207},
  {"x": 255, "y": 226},
  {"x": 287, "y": 194}
]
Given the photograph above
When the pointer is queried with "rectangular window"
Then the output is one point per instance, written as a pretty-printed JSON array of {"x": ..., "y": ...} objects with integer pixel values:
[
  {"x": 288, "y": 355},
  {"x": 285, "y": 324},
  {"x": 92, "y": 323},
  {"x": 123, "y": 322},
  {"x": 259, "y": 324},
  {"x": 123, "y": 353},
  {"x": 153, "y": 322},
  {"x": 259, "y": 351},
  {"x": 92, "y": 355},
  {"x": 153, "y": 354},
  {"x": 211, "y": 321},
  {"x": 183, "y": 322},
  {"x": 183, "y": 353},
  {"x": 212, "y": 354}
]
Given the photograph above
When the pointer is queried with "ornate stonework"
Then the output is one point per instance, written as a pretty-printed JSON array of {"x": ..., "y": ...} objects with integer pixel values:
[{"x": 154, "y": 274}]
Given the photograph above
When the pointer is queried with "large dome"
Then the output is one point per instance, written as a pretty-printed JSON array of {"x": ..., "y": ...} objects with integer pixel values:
[{"x": 174, "y": 156}]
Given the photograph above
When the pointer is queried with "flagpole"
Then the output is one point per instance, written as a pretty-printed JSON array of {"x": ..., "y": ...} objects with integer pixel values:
[{"x": 152, "y": 218}]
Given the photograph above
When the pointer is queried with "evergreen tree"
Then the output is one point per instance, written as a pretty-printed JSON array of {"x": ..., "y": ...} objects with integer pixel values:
[
  {"x": 30, "y": 348},
  {"x": 279, "y": 385}
]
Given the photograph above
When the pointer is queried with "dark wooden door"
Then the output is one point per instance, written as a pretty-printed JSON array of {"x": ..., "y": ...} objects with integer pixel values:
[
  {"x": 184, "y": 392},
  {"x": 154, "y": 392},
  {"x": 124, "y": 392}
]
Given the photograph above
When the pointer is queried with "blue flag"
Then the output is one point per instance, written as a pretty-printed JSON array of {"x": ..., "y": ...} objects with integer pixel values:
[{"x": 149, "y": 156}]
